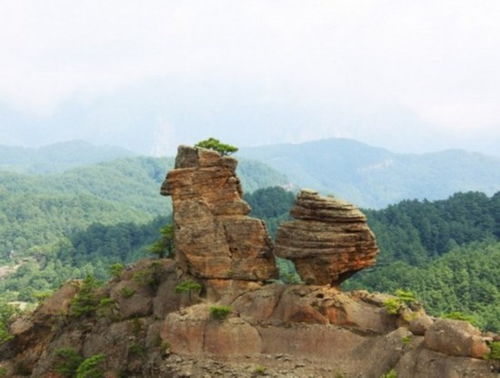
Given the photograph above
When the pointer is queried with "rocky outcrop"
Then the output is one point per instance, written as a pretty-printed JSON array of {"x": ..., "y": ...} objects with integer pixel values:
[
  {"x": 456, "y": 338},
  {"x": 215, "y": 240},
  {"x": 328, "y": 241}
]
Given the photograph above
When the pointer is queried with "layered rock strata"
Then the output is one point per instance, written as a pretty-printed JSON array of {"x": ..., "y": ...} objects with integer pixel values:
[
  {"x": 328, "y": 241},
  {"x": 215, "y": 240}
]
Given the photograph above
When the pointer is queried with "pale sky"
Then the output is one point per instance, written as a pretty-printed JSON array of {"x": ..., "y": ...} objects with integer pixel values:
[{"x": 405, "y": 75}]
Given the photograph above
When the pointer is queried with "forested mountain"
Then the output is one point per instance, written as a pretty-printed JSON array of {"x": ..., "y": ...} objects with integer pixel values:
[
  {"x": 374, "y": 177},
  {"x": 57, "y": 157}
]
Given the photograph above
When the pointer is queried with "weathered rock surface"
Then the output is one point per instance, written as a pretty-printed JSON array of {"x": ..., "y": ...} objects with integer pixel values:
[
  {"x": 328, "y": 241},
  {"x": 214, "y": 237},
  {"x": 456, "y": 338}
]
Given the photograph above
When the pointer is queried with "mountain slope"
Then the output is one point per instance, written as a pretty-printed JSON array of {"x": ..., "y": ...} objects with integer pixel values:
[
  {"x": 374, "y": 177},
  {"x": 57, "y": 157}
]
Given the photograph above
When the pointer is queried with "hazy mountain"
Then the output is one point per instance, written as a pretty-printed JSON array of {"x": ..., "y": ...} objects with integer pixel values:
[
  {"x": 57, "y": 157},
  {"x": 375, "y": 177}
]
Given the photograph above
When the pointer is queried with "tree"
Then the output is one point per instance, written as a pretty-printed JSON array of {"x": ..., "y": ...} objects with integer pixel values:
[
  {"x": 216, "y": 145},
  {"x": 165, "y": 245}
]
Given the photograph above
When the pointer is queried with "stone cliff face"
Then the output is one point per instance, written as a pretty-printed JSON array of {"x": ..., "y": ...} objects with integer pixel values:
[
  {"x": 215, "y": 240},
  {"x": 237, "y": 324},
  {"x": 329, "y": 241}
]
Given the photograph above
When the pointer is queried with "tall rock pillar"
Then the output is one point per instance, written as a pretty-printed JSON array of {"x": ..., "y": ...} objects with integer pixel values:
[{"x": 215, "y": 239}]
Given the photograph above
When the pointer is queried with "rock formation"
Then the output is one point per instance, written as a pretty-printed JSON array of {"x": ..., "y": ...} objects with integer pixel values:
[
  {"x": 215, "y": 240},
  {"x": 329, "y": 240}
]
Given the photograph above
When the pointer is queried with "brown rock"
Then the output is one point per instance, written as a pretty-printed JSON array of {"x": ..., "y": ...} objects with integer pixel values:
[
  {"x": 329, "y": 240},
  {"x": 456, "y": 338},
  {"x": 424, "y": 363},
  {"x": 214, "y": 237},
  {"x": 420, "y": 325}
]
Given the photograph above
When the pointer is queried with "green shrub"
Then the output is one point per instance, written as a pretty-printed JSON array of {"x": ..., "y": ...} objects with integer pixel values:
[
  {"x": 260, "y": 370},
  {"x": 91, "y": 367},
  {"x": 87, "y": 300},
  {"x": 220, "y": 312},
  {"x": 495, "y": 350},
  {"x": 136, "y": 349},
  {"x": 127, "y": 292},
  {"x": 150, "y": 276},
  {"x": 457, "y": 315},
  {"x": 164, "y": 246},
  {"x": 187, "y": 287},
  {"x": 406, "y": 340},
  {"x": 404, "y": 299},
  {"x": 3, "y": 372},
  {"x": 116, "y": 270},
  {"x": 393, "y": 306},
  {"x": 390, "y": 374},
  {"x": 67, "y": 361}
]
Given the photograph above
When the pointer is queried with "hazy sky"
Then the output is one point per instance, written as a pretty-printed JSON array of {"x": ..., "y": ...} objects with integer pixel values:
[{"x": 406, "y": 75}]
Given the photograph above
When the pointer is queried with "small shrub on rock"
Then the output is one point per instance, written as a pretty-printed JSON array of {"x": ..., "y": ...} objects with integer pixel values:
[
  {"x": 91, "y": 367},
  {"x": 220, "y": 312},
  {"x": 457, "y": 315},
  {"x": 127, "y": 292},
  {"x": 67, "y": 361},
  {"x": 116, "y": 270},
  {"x": 404, "y": 300},
  {"x": 495, "y": 350}
]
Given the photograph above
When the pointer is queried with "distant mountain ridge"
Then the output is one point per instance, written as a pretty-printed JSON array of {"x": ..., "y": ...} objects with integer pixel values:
[
  {"x": 374, "y": 177},
  {"x": 57, "y": 157}
]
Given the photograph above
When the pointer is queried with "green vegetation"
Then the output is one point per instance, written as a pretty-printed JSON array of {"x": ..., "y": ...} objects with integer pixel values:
[
  {"x": 260, "y": 370},
  {"x": 67, "y": 362},
  {"x": 271, "y": 204},
  {"x": 187, "y": 287},
  {"x": 164, "y": 247},
  {"x": 86, "y": 301},
  {"x": 390, "y": 374},
  {"x": 91, "y": 367},
  {"x": 406, "y": 340},
  {"x": 404, "y": 299},
  {"x": 149, "y": 276},
  {"x": 220, "y": 312},
  {"x": 127, "y": 292},
  {"x": 216, "y": 145},
  {"x": 495, "y": 350},
  {"x": 7, "y": 312},
  {"x": 457, "y": 315},
  {"x": 116, "y": 270}
]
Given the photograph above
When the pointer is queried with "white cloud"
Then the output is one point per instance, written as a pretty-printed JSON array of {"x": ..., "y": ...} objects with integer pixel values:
[{"x": 437, "y": 59}]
